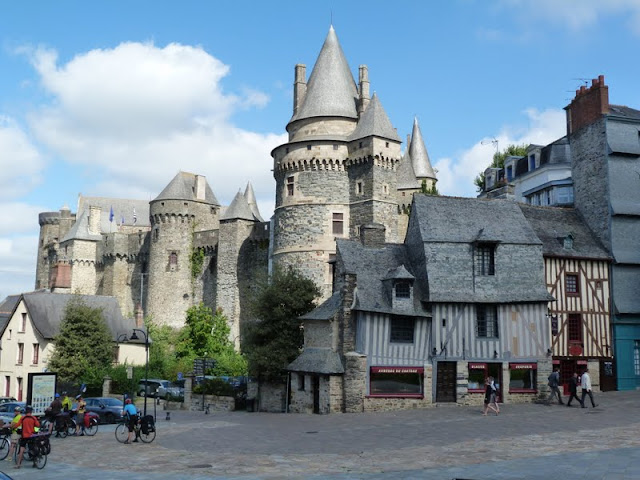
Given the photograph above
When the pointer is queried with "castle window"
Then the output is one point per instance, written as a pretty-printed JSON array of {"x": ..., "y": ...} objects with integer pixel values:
[
  {"x": 308, "y": 147},
  {"x": 338, "y": 223},
  {"x": 385, "y": 189},
  {"x": 486, "y": 321},
  {"x": 386, "y": 144},
  {"x": 571, "y": 284},
  {"x": 335, "y": 147},
  {"x": 360, "y": 145},
  {"x": 359, "y": 188},
  {"x": 173, "y": 259},
  {"x": 156, "y": 234},
  {"x": 290, "y": 186},
  {"x": 403, "y": 290},
  {"x": 402, "y": 329},
  {"x": 485, "y": 259}
]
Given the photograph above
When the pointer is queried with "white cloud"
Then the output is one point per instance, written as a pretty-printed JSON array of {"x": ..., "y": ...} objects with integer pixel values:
[
  {"x": 137, "y": 114},
  {"x": 18, "y": 218},
  {"x": 455, "y": 176},
  {"x": 576, "y": 14},
  {"x": 20, "y": 162},
  {"x": 17, "y": 264}
]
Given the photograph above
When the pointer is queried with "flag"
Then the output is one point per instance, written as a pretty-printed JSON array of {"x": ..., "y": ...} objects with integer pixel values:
[
  {"x": 111, "y": 215},
  {"x": 135, "y": 218}
]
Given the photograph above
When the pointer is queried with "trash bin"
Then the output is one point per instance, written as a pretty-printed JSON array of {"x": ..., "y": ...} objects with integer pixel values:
[{"x": 251, "y": 404}]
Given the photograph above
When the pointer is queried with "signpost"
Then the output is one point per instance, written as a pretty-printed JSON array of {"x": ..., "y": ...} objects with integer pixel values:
[
  {"x": 202, "y": 365},
  {"x": 41, "y": 390}
]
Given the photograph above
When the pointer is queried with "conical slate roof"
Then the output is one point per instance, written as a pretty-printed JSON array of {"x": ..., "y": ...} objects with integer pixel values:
[
  {"x": 251, "y": 200},
  {"x": 331, "y": 90},
  {"x": 80, "y": 230},
  {"x": 375, "y": 122},
  {"x": 418, "y": 153},
  {"x": 406, "y": 176},
  {"x": 238, "y": 210},
  {"x": 183, "y": 187}
]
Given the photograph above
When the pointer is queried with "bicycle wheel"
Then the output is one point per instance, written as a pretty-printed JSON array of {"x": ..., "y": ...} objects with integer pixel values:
[
  {"x": 40, "y": 461},
  {"x": 147, "y": 437},
  {"x": 122, "y": 433},
  {"x": 4, "y": 448},
  {"x": 92, "y": 429}
]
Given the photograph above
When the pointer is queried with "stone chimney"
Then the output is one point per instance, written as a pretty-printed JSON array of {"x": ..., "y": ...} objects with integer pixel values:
[
  {"x": 94, "y": 220},
  {"x": 363, "y": 89},
  {"x": 299, "y": 86},
  {"x": 139, "y": 316},
  {"x": 201, "y": 183},
  {"x": 588, "y": 105},
  {"x": 372, "y": 235}
]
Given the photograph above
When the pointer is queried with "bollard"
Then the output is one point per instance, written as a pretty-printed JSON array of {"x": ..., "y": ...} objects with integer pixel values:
[
  {"x": 206, "y": 409},
  {"x": 168, "y": 416}
]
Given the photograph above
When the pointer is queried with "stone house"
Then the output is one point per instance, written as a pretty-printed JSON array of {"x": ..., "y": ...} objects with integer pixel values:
[
  {"x": 427, "y": 321},
  {"x": 28, "y": 325}
]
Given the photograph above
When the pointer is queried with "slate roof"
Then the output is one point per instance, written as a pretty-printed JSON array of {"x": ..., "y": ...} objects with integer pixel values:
[
  {"x": 406, "y": 176},
  {"x": 552, "y": 225},
  {"x": 418, "y": 153},
  {"x": 331, "y": 89},
  {"x": 46, "y": 311},
  {"x": 317, "y": 360},
  {"x": 372, "y": 266},
  {"x": 250, "y": 195},
  {"x": 238, "y": 209},
  {"x": 624, "y": 111},
  {"x": 375, "y": 122},
  {"x": 182, "y": 187},
  {"x": 326, "y": 310},
  {"x": 80, "y": 229},
  {"x": 467, "y": 220},
  {"x": 556, "y": 152},
  {"x": 7, "y": 307}
]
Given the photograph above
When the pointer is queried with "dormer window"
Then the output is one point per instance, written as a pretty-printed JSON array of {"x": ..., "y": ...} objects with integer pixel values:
[
  {"x": 485, "y": 259},
  {"x": 568, "y": 242},
  {"x": 403, "y": 289},
  {"x": 532, "y": 162}
]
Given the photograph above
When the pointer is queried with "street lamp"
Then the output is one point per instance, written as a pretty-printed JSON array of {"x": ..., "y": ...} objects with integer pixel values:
[{"x": 146, "y": 365}]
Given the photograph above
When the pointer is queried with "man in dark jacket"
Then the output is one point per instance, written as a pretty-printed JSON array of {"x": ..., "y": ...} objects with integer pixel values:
[
  {"x": 554, "y": 381},
  {"x": 573, "y": 389}
]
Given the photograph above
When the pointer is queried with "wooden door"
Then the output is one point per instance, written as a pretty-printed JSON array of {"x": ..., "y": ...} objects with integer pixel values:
[
  {"x": 607, "y": 375},
  {"x": 446, "y": 382}
]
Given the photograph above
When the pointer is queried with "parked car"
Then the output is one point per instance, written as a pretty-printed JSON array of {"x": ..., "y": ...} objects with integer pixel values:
[
  {"x": 7, "y": 410},
  {"x": 109, "y": 409},
  {"x": 7, "y": 399},
  {"x": 154, "y": 387}
]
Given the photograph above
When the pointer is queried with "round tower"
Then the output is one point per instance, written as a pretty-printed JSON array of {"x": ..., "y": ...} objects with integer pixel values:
[{"x": 185, "y": 207}]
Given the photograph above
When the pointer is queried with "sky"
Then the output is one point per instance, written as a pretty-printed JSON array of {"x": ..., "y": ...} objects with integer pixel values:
[{"x": 114, "y": 98}]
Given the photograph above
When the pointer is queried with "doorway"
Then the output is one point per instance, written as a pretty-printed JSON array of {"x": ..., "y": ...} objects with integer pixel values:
[
  {"x": 446, "y": 382},
  {"x": 315, "y": 385},
  {"x": 607, "y": 375}
]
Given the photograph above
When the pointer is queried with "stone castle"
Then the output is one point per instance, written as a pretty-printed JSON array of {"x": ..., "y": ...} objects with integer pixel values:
[{"x": 341, "y": 168}]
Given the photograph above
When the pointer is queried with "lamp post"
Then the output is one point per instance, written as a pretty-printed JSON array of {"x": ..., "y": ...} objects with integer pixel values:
[{"x": 146, "y": 364}]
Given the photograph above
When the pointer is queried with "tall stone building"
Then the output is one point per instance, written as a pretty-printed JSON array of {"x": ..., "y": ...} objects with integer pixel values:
[{"x": 341, "y": 168}]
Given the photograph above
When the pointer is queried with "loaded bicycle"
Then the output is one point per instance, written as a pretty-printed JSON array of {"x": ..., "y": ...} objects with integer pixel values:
[
  {"x": 65, "y": 424},
  {"x": 144, "y": 429},
  {"x": 36, "y": 450}
]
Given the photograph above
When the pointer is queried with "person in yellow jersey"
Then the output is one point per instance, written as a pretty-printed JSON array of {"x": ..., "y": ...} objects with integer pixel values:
[{"x": 15, "y": 434}]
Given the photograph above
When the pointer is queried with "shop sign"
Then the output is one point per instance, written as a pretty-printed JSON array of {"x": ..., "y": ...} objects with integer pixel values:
[
  {"x": 397, "y": 370},
  {"x": 523, "y": 366},
  {"x": 478, "y": 365}
]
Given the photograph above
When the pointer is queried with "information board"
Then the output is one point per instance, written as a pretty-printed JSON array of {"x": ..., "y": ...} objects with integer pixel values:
[{"x": 41, "y": 390}]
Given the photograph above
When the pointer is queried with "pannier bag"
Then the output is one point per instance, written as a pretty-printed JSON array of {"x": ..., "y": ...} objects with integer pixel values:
[
  {"x": 42, "y": 444},
  {"x": 147, "y": 425}
]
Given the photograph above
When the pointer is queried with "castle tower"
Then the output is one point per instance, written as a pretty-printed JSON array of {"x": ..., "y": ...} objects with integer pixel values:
[
  {"x": 339, "y": 140},
  {"x": 53, "y": 227},
  {"x": 185, "y": 207}
]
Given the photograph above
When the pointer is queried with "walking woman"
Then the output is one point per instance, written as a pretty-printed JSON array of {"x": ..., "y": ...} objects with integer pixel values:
[{"x": 490, "y": 397}]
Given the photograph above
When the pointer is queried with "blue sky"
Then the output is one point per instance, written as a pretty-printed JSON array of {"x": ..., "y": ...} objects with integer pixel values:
[{"x": 114, "y": 98}]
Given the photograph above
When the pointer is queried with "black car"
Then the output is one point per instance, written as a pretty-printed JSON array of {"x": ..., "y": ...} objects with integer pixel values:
[{"x": 109, "y": 409}]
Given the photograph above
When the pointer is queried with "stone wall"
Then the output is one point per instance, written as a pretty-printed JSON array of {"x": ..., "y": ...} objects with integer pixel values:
[
  {"x": 214, "y": 402},
  {"x": 355, "y": 382}
]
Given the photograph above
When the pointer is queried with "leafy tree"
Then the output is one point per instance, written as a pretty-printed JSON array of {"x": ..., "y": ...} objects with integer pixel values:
[
  {"x": 275, "y": 339},
  {"x": 84, "y": 343},
  {"x": 498, "y": 161},
  {"x": 433, "y": 190}
]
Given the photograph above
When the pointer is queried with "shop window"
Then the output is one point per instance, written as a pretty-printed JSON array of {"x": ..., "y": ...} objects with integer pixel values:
[
  {"x": 36, "y": 354},
  {"x": 477, "y": 376},
  {"x": 485, "y": 259},
  {"x": 487, "y": 321},
  {"x": 636, "y": 358},
  {"x": 396, "y": 382},
  {"x": 338, "y": 223},
  {"x": 403, "y": 290},
  {"x": 290, "y": 185},
  {"x": 402, "y": 329},
  {"x": 523, "y": 378},
  {"x": 571, "y": 284}
]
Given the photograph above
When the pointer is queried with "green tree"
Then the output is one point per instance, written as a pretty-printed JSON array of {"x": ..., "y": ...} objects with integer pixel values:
[
  {"x": 433, "y": 190},
  {"x": 275, "y": 339},
  {"x": 498, "y": 161},
  {"x": 84, "y": 343}
]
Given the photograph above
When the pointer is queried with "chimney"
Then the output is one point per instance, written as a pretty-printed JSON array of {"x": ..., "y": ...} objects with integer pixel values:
[
  {"x": 201, "y": 182},
  {"x": 588, "y": 105},
  {"x": 299, "y": 86},
  {"x": 363, "y": 89},
  {"x": 372, "y": 235},
  {"x": 94, "y": 220},
  {"x": 139, "y": 316}
]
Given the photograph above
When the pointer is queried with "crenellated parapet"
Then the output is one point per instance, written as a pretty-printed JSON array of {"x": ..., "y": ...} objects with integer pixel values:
[
  {"x": 386, "y": 162},
  {"x": 311, "y": 165},
  {"x": 172, "y": 218},
  {"x": 49, "y": 218}
]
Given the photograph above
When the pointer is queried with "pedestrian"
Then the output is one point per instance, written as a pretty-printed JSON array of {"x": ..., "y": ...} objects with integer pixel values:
[
  {"x": 585, "y": 381},
  {"x": 573, "y": 390},
  {"x": 53, "y": 411},
  {"x": 81, "y": 408},
  {"x": 554, "y": 381},
  {"x": 131, "y": 414},
  {"x": 28, "y": 423},
  {"x": 490, "y": 401},
  {"x": 15, "y": 432}
]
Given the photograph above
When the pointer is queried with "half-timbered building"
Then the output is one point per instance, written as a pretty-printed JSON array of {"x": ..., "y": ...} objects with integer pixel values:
[{"x": 577, "y": 276}]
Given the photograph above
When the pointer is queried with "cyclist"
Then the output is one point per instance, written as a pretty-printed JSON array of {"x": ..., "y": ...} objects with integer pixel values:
[
  {"x": 67, "y": 404},
  {"x": 15, "y": 432},
  {"x": 131, "y": 414},
  {"x": 82, "y": 406},
  {"x": 53, "y": 412},
  {"x": 29, "y": 423}
]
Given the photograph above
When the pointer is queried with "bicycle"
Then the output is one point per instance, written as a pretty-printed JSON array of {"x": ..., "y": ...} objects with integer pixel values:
[
  {"x": 90, "y": 425},
  {"x": 144, "y": 429},
  {"x": 36, "y": 450},
  {"x": 5, "y": 442}
]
